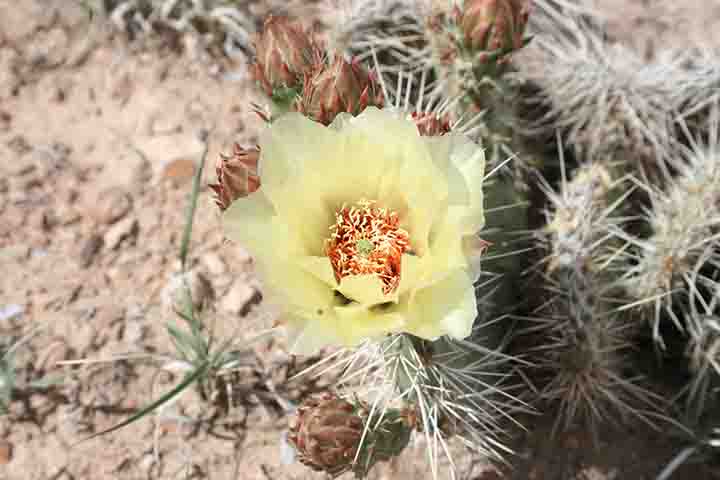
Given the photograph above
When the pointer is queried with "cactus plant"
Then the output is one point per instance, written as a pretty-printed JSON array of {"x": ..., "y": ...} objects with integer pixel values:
[
  {"x": 600, "y": 265},
  {"x": 614, "y": 239}
]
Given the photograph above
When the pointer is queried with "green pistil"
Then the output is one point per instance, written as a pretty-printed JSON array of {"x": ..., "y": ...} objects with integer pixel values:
[{"x": 364, "y": 247}]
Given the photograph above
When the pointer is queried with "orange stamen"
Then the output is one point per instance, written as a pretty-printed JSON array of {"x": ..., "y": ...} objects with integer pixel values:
[{"x": 367, "y": 239}]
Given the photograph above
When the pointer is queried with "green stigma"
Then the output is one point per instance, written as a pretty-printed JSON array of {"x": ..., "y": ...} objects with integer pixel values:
[{"x": 364, "y": 247}]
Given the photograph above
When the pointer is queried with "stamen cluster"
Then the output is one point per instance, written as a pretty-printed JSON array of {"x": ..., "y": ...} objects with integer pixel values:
[{"x": 367, "y": 239}]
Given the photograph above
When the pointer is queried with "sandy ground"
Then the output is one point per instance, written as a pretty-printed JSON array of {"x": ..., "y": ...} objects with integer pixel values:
[{"x": 97, "y": 146}]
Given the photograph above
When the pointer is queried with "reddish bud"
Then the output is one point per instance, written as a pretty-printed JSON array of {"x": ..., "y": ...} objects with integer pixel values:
[
  {"x": 494, "y": 24},
  {"x": 339, "y": 87},
  {"x": 326, "y": 433},
  {"x": 237, "y": 175},
  {"x": 285, "y": 54}
]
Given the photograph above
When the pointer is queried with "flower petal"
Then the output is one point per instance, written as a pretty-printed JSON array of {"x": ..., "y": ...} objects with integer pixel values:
[
  {"x": 289, "y": 149},
  {"x": 300, "y": 291},
  {"x": 360, "y": 322},
  {"x": 365, "y": 289},
  {"x": 307, "y": 336},
  {"x": 251, "y": 221},
  {"x": 446, "y": 246},
  {"x": 320, "y": 267},
  {"x": 347, "y": 325},
  {"x": 412, "y": 272},
  {"x": 448, "y": 306},
  {"x": 441, "y": 149},
  {"x": 297, "y": 148},
  {"x": 469, "y": 158}
]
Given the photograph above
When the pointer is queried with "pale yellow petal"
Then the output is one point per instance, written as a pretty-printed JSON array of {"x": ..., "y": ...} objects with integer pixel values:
[
  {"x": 445, "y": 307},
  {"x": 355, "y": 170},
  {"x": 276, "y": 248},
  {"x": 299, "y": 290},
  {"x": 360, "y": 323},
  {"x": 440, "y": 149},
  {"x": 252, "y": 222},
  {"x": 293, "y": 150},
  {"x": 290, "y": 148},
  {"x": 446, "y": 246},
  {"x": 413, "y": 270},
  {"x": 469, "y": 159},
  {"x": 347, "y": 325},
  {"x": 308, "y": 335},
  {"x": 364, "y": 289},
  {"x": 421, "y": 215},
  {"x": 307, "y": 215},
  {"x": 363, "y": 165},
  {"x": 320, "y": 268}
]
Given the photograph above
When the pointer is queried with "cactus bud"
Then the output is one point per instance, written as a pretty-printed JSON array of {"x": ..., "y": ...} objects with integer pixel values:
[
  {"x": 237, "y": 175},
  {"x": 339, "y": 87},
  {"x": 494, "y": 25},
  {"x": 328, "y": 430},
  {"x": 327, "y": 433},
  {"x": 285, "y": 53}
]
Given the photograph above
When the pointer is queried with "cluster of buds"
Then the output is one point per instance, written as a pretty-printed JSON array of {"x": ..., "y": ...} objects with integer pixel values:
[
  {"x": 327, "y": 434},
  {"x": 295, "y": 72},
  {"x": 237, "y": 175}
]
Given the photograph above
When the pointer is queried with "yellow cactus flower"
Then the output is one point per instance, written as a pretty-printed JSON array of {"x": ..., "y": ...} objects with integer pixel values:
[{"x": 365, "y": 227}]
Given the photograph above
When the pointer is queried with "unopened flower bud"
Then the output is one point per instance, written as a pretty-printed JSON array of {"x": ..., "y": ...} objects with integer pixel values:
[
  {"x": 494, "y": 25},
  {"x": 237, "y": 175},
  {"x": 327, "y": 433},
  {"x": 339, "y": 87},
  {"x": 285, "y": 54}
]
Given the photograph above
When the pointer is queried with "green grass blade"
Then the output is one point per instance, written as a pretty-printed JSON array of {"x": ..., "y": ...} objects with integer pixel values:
[
  {"x": 187, "y": 232},
  {"x": 189, "y": 379},
  {"x": 188, "y": 313},
  {"x": 182, "y": 341},
  {"x": 188, "y": 342}
]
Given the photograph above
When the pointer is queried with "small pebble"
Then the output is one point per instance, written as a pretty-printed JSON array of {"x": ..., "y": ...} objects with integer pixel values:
[{"x": 90, "y": 249}]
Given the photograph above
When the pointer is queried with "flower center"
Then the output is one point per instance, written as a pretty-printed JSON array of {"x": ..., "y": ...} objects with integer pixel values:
[{"x": 367, "y": 239}]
